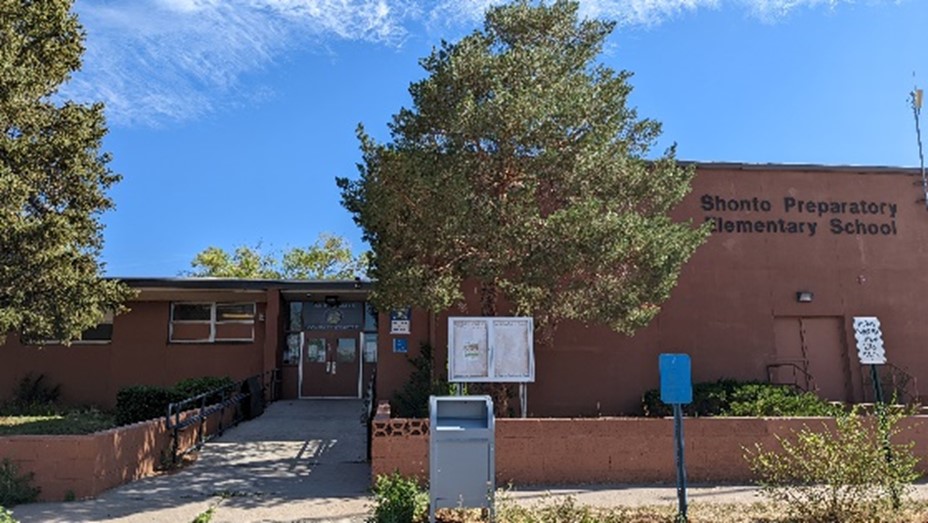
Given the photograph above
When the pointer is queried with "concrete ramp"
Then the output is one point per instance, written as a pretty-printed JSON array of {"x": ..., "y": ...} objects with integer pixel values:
[{"x": 301, "y": 460}]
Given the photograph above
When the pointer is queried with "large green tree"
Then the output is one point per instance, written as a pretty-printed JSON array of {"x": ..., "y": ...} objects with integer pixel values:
[
  {"x": 53, "y": 179},
  {"x": 521, "y": 167},
  {"x": 328, "y": 258}
]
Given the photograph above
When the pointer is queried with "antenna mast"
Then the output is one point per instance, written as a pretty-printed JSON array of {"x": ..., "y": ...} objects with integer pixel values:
[{"x": 916, "y": 110}]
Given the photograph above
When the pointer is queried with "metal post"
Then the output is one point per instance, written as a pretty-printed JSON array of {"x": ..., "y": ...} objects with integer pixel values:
[
  {"x": 877, "y": 386},
  {"x": 681, "y": 467},
  {"x": 884, "y": 430},
  {"x": 523, "y": 399},
  {"x": 916, "y": 110}
]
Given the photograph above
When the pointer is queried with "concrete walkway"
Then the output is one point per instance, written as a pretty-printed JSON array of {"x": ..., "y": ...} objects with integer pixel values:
[{"x": 301, "y": 460}]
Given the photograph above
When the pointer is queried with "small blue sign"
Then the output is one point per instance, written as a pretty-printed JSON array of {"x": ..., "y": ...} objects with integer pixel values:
[
  {"x": 676, "y": 382},
  {"x": 400, "y": 345}
]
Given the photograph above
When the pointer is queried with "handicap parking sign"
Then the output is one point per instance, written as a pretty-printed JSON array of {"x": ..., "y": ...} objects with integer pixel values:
[{"x": 676, "y": 381}]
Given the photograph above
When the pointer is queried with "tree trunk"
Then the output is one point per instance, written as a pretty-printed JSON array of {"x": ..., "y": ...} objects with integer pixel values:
[{"x": 500, "y": 392}]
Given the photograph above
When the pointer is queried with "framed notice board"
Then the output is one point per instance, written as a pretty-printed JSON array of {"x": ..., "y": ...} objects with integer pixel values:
[{"x": 491, "y": 349}]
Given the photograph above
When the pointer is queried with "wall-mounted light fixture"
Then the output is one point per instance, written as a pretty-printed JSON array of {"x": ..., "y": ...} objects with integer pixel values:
[
  {"x": 332, "y": 301},
  {"x": 804, "y": 296}
]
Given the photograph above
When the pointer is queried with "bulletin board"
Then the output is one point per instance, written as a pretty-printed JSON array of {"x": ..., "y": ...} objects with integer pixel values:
[{"x": 491, "y": 349}]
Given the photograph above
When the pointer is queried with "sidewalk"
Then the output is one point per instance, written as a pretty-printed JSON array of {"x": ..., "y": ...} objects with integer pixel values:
[{"x": 301, "y": 460}]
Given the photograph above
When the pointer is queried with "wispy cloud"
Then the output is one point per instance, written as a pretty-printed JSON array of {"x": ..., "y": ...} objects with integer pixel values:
[
  {"x": 157, "y": 61},
  {"x": 639, "y": 12},
  {"x": 152, "y": 61}
]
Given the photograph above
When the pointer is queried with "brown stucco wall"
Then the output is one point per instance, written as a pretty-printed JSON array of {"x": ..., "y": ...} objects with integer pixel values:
[
  {"x": 609, "y": 450},
  {"x": 731, "y": 293},
  {"x": 140, "y": 354}
]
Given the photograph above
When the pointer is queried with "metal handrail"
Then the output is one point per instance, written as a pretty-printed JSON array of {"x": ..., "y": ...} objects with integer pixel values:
[
  {"x": 904, "y": 385},
  {"x": 796, "y": 369},
  {"x": 370, "y": 403},
  {"x": 228, "y": 396}
]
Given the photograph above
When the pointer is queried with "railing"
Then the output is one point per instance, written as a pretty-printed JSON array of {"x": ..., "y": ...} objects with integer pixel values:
[
  {"x": 370, "y": 407},
  {"x": 898, "y": 385},
  {"x": 796, "y": 372},
  {"x": 197, "y": 409}
]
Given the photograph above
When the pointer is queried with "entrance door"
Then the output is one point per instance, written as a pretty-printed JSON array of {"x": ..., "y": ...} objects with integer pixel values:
[
  {"x": 816, "y": 345},
  {"x": 330, "y": 365}
]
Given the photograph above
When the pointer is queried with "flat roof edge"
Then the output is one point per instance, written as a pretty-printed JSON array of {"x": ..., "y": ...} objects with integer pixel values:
[
  {"x": 803, "y": 167},
  {"x": 241, "y": 284}
]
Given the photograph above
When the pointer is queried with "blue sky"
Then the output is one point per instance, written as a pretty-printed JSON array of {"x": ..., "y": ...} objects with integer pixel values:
[{"x": 230, "y": 119}]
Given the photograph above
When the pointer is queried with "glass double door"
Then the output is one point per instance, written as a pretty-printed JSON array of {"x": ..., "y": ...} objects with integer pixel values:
[{"x": 330, "y": 365}]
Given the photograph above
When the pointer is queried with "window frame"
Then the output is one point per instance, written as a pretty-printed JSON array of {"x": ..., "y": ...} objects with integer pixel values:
[
  {"x": 107, "y": 315},
  {"x": 212, "y": 322}
]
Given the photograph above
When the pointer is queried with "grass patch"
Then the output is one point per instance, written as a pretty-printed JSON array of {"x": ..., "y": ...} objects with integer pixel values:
[{"x": 68, "y": 422}]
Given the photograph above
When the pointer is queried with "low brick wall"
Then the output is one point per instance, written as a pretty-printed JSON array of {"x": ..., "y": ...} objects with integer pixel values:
[
  {"x": 89, "y": 464},
  {"x": 607, "y": 450}
]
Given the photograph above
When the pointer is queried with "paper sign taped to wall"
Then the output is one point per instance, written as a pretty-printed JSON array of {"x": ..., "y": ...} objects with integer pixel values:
[{"x": 470, "y": 350}]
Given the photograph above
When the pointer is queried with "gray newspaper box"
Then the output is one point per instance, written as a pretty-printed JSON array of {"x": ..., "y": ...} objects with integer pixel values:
[{"x": 462, "y": 462}]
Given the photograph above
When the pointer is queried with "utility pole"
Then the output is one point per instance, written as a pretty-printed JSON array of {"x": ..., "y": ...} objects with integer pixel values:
[{"x": 916, "y": 97}]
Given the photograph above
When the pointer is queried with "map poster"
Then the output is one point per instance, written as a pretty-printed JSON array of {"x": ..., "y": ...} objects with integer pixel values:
[{"x": 470, "y": 350}]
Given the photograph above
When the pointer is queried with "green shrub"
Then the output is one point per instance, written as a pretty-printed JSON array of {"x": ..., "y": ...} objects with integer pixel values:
[
  {"x": 6, "y": 516},
  {"x": 398, "y": 499},
  {"x": 728, "y": 397},
  {"x": 761, "y": 399},
  {"x": 412, "y": 401},
  {"x": 143, "y": 402},
  {"x": 840, "y": 474},
  {"x": 15, "y": 488},
  {"x": 191, "y": 387},
  {"x": 709, "y": 399},
  {"x": 33, "y": 396},
  {"x": 206, "y": 516}
]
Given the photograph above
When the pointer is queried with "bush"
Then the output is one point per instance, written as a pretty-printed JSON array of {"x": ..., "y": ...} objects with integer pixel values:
[
  {"x": 143, "y": 402},
  {"x": 6, "y": 516},
  {"x": 15, "y": 488},
  {"x": 727, "y": 397},
  {"x": 412, "y": 401},
  {"x": 760, "y": 399},
  {"x": 33, "y": 396},
  {"x": 191, "y": 387},
  {"x": 851, "y": 472},
  {"x": 398, "y": 499}
]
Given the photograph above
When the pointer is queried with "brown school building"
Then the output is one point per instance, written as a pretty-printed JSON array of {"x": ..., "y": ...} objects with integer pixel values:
[{"x": 797, "y": 252}]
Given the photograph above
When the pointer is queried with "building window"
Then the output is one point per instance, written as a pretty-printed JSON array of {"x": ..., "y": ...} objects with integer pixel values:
[
  {"x": 294, "y": 338},
  {"x": 98, "y": 334},
  {"x": 212, "y": 322}
]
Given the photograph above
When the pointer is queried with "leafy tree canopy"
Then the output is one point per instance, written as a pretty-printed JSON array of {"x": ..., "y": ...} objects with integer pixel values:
[
  {"x": 328, "y": 258},
  {"x": 53, "y": 179},
  {"x": 521, "y": 167}
]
